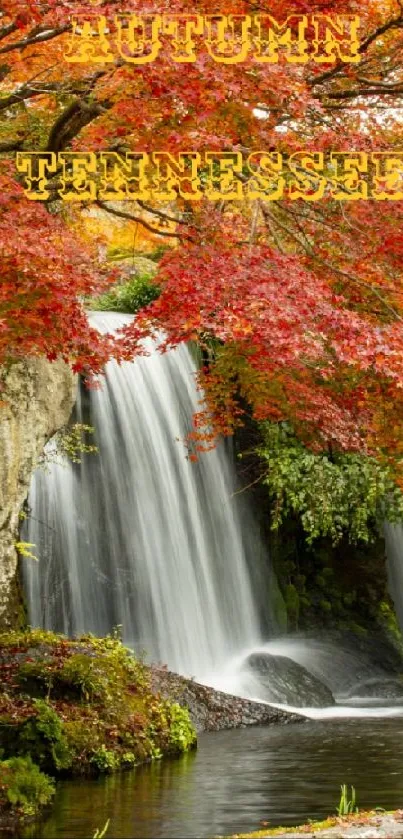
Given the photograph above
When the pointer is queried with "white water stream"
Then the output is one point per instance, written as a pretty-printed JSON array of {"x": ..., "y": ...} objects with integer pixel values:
[{"x": 139, "y": 536}]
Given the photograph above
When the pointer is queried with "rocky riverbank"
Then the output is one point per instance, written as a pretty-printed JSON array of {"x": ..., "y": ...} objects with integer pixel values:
[
  {"x": 212, "y": 710},
  {"x": 372, "y": 825}
]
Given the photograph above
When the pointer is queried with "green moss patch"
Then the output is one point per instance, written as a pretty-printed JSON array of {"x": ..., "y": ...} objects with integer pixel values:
[
  {"x": 24, "y": 789},
  {"x": 77, "y": 706}
]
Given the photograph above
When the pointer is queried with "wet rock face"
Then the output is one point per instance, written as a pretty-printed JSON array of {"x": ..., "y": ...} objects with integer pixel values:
[
  {"x": 383, "y": 689},
  {"x": 279, "y": 679},
  {"x": 213, "y": 710},
  {"x": 36, "y": 399}
]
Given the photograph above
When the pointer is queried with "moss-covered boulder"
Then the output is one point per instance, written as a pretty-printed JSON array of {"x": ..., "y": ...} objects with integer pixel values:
[{"x": 83, "y": 706}]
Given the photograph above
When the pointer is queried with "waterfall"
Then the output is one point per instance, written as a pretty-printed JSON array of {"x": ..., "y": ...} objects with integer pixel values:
[
  {"x": 394, "y": 552},
  {"x": 137, "y": 535}
]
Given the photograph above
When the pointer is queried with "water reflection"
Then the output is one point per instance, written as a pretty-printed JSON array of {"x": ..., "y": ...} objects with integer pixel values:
[{"x": 237, "y": 779}]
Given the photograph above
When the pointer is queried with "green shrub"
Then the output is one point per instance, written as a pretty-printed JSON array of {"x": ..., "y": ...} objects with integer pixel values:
[
  {"x": 104, "y": 760},
  {"x": 182, "y": 735},
  {"x": 170, "y": 729},
  {"x": 71, "y": 444},
  {"x": 129, "y": 297},
  {"x": 128, "y": 759},
  {"x": 41, "y": 736},
  {"x": 332, "y": 493},
  {"x": 23, "y": 785}
]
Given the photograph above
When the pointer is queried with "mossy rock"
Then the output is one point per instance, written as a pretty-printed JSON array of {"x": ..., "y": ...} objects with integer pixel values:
[{"x": 83, "y": 706}]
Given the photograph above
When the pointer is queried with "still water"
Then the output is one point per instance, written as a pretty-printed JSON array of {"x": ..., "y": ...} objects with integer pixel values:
[{"x": 236, "y": 780}]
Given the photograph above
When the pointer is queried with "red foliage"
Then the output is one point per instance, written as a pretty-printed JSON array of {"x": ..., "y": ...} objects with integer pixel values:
[
  {"x": 290, "y": 344},
  {"x": 44, "y": 272},
  {"x": 304, "y": 301}
]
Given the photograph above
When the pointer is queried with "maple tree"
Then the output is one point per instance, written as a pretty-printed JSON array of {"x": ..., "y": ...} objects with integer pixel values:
[{"x": 298, "y": 305}]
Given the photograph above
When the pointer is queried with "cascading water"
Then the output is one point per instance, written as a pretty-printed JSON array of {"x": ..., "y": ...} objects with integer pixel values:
[{"x": 139, "y": 536}]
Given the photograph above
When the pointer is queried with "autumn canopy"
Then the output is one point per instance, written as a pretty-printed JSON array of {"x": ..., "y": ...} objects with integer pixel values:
[{"x": 298, "y": 305}]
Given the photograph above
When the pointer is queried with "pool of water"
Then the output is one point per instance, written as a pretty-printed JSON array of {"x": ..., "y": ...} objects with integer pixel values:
[{"x": 238, "y": 779}]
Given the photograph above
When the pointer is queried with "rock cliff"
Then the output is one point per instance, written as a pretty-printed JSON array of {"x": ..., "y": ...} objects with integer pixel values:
[{"x": 36, "y": 398}]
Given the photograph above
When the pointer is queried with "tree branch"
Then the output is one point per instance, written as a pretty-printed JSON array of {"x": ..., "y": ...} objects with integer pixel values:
[
  {"x": 394, "y": 23},
  {"x": 28, "y": 92},
  {"x": 377, "y": 90},
  {"x": 7, "y": 30},
  {"x": 12, "y": 145},
  {"x": 130, "y": 217},
  {"x": 39, "y": 38},
  {"x": 159, "y": 213}
]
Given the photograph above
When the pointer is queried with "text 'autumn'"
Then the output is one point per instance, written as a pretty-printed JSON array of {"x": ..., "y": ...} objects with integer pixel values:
[{"x": 228, "y": 39}]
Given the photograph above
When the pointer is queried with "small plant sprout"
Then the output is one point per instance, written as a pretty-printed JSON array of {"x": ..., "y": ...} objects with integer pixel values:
[
  {"x": 23, "y": 548},
  {"x": 101, "y": 832},
  {"x": 347, "y": 805},
  {"x": 71, "y": 443}
]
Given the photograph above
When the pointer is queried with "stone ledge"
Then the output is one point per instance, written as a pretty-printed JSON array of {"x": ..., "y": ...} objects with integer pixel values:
[{"x": 213, "y": 710}]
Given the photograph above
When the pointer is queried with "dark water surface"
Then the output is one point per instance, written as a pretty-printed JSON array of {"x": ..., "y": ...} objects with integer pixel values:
[{"x": 236, "y": 779}]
